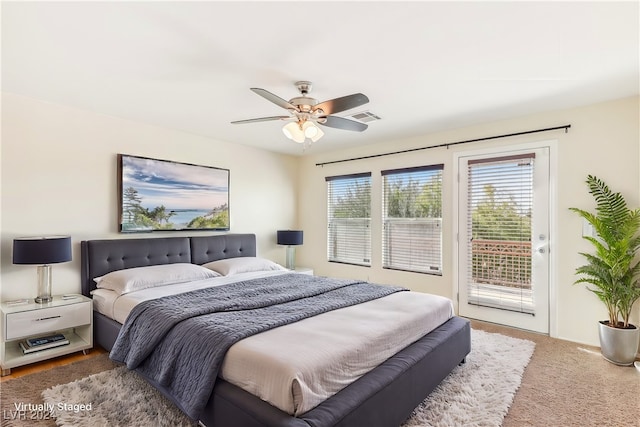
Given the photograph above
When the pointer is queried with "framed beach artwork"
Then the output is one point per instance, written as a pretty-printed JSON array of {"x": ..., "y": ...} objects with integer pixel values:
[{"x": 162, "y": 195}]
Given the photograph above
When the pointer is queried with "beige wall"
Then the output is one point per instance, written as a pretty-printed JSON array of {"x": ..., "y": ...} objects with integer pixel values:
[
  {"x": 603, "y": 140},
  {"x": 59, "y": 177}
]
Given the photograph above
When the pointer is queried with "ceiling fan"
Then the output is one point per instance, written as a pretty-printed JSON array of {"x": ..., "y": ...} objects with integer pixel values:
[{"x": 305, "y": 112}]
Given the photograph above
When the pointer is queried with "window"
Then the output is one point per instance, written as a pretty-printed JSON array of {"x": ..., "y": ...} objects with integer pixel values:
[
  {"x": 500, "y": 200},
  {"x": 412, "y": 219},
  {"x": 349, "y": 217}
]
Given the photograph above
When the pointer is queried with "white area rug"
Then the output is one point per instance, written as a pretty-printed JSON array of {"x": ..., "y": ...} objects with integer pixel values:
[{"x": 478, "y": 393}]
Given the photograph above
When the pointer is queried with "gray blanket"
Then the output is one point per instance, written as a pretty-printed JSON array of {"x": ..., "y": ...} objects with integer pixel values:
[{"x": 178, "y": 342}]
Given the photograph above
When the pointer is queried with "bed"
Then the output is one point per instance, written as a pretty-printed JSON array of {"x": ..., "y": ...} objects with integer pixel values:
[{"x": 384, "y": 396}]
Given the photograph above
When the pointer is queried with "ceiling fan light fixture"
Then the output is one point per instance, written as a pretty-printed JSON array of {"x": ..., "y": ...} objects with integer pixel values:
[
  {"x": 308, "y": 113},
  {"x": 318, "y": 136},
  {"x": 311, "y": 131},
  {"x": 288, "y": 130},
  {"x": 293, "y": 131},
  {"x": 299, "y": 138}
]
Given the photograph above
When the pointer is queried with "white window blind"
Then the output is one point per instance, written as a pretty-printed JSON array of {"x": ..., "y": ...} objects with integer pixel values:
[
  {"x": 349, "y": 219},
  {"x": 412, "y": 219},
  {"x": 500, "y": 200}
]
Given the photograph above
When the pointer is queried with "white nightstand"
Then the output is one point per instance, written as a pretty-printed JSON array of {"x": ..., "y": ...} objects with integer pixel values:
[
  {"x": 71, "y": 316},
  {"x": 304, "y": 270}
]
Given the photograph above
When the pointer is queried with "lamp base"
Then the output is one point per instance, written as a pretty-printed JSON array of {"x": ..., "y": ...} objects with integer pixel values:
[
  {"x": 290, "y": 262},
  {"x": 44, "y": 284}
]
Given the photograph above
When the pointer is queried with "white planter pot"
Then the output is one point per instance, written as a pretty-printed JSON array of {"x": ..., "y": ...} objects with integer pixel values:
[{"x": 617, "y": 345}]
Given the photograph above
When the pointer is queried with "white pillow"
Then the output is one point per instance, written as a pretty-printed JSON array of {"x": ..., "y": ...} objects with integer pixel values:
[
  {"x": 230, "y": 266},
  {"x": 135, "y": 279}
]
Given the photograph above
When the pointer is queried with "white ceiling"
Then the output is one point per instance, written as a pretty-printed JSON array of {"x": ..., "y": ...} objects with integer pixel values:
[{"x": 425, "y": 66}]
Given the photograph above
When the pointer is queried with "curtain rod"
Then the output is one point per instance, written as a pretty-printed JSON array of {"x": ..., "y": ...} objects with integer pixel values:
[{"x": 447, "y": 144}]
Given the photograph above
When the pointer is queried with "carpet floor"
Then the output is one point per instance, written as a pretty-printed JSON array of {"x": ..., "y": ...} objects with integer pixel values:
[
  {"x": 569, "y": 384},
  {"x": 564, "y": 384}
]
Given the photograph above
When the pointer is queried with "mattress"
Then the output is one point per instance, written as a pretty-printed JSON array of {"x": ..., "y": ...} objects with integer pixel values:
[{"x": 297, "y": 366}]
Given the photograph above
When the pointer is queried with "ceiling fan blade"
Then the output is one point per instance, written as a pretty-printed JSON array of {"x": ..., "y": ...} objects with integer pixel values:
[
  {"x": 342, "y": 123},
  {"x": 337, "y": 105},
  {"x": 274, "y": 98},
  {"x": 261, "y": 119}
]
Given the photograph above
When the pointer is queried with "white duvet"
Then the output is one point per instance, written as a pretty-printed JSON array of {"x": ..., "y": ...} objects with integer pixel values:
[{"x": 297, "y": 366}]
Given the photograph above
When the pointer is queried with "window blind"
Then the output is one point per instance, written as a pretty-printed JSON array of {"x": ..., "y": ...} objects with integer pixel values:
[
  {"x": 349, "y": 219},
  {"x": 412, "y": 219},
  {"x": 500, "y": 200}
]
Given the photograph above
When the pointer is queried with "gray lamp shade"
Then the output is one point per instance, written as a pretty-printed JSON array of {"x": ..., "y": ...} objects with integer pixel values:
[
  {"x": 41, "y": 250},
  {"x": 290, "y": 237}
]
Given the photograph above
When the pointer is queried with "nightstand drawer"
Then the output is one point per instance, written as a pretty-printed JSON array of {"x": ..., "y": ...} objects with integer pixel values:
[{"x": 34, "y": 322}]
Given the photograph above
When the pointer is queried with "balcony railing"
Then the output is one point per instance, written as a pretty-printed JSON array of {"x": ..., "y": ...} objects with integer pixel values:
[{"x": 501, "y": 263}]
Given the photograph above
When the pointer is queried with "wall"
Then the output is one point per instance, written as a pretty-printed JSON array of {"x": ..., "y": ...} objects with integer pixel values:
[
  {"x": 603, "y": 140},
  {"x": 59, "y": 177}
]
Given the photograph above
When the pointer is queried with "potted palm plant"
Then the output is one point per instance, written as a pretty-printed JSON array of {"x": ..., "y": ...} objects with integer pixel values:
[{"x": 613, "y": 270}]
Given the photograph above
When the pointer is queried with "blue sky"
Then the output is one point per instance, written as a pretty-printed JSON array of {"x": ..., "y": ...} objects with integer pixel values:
[{"x": 175, "y": 185}]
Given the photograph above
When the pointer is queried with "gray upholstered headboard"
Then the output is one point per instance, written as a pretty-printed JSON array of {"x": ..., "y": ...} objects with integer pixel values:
[{"x": 100, "y": 257}]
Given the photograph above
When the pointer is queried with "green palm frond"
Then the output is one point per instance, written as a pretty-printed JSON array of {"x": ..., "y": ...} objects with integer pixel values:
[
  {"x": 610, "y": 207},
  {"x": 612, "y": 271}
]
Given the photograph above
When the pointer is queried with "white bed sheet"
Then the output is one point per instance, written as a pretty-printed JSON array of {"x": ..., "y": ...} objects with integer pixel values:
[
  {"x": 118, "y": 307},
  {"x": 297, "y": 366}
]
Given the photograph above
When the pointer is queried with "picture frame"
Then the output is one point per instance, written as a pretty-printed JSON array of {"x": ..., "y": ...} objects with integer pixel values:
[{"x": 164, "y": 195}]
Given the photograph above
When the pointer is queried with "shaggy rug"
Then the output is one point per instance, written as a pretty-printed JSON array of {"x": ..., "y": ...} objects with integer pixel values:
[{"x": 478, "y": 393}]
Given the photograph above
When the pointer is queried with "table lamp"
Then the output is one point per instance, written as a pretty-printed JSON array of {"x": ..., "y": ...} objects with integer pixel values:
[
  {"x": 42, "y": 251},
  {"x": 291, "y": 238}
]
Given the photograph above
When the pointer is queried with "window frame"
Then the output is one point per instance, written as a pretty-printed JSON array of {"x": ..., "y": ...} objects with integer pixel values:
[
  {"x": 331, "y": 223},
  {"x": 409, "y": 261}
]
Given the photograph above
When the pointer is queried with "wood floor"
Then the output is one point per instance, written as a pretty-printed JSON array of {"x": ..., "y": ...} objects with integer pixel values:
[{"x": 51, "y": 363}]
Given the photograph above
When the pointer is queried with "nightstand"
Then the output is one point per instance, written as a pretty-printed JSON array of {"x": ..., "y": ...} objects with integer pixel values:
[
  {"x": 71, "y": 316},
  {"x": 304, "y": 270}
]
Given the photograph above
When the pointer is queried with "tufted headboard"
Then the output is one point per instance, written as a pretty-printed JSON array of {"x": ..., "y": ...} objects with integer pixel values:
[{"x": 100, "y": 257}]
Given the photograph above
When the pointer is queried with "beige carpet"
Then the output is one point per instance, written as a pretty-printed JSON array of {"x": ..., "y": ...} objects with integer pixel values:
[
  {"x": 568, "y": 384},
  {"x": 565, "y": 384}
]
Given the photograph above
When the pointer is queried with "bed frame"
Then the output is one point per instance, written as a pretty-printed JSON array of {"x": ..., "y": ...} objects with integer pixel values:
[{"x": 384, "y": 397}]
